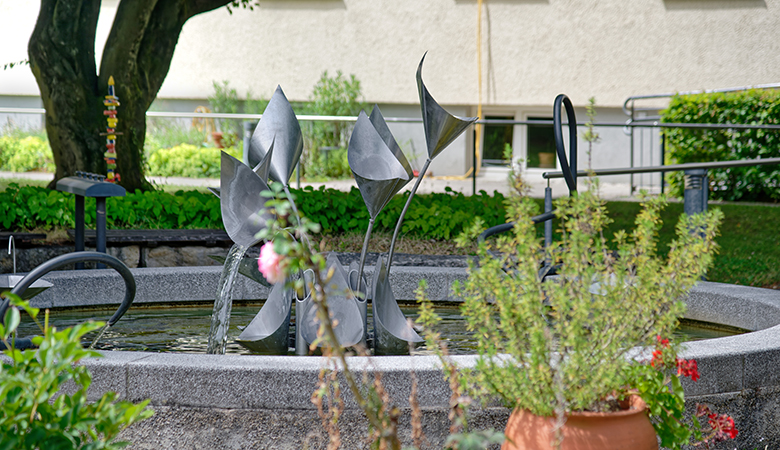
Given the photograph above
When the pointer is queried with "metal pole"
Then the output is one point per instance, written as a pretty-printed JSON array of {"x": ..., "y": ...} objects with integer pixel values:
[
  {"x": 100, "y": 227},
  {"x": 663, "y": 159},
  {"x": 474, "y": 170},
  {"x": 631, "y": 162},
  {"x": 247, "y": 139},
  {"x": 79, "y": 246},
  {"x": 547, "y": 208},
  {"x": 695, "y": 194}
]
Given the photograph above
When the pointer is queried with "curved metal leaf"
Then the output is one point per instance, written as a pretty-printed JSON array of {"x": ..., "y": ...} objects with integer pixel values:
[
  {"x": 263, "y": 168},
  {"x": 268, "y": 332},
  {"x": 441, "y": 127},
  {"x": 392, "y": 333},
  {"x": 376, "y": 160},
  {"x": 241, "y": 202},
  {"x": 278, "y": 128},
  {"x": 343, "y": 309}
]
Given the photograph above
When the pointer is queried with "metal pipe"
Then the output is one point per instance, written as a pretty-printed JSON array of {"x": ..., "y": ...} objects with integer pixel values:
[
  {"x": 663, "y": 160},
  {"x": 100, "y": 227},
  {"x": 700, "y": 91},
  {"x": 670, "y": 168},
  {"x": 70, "y": 258},
  {"x": 79, "y": 237},
  {"x": 12, "y": 244},
  {"x": 548, "y": 223}
]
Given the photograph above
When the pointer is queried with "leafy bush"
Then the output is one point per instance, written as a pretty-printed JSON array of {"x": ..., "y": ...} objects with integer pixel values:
[
  {"x": 331, "y": 96},
  {"x": 24, "y": 154},
  {"x": 36, "y": 414},
  {"x": 187, "y": 160},
  {"x": 754, "y": 183},
  {"x": 225, "y": 100}
]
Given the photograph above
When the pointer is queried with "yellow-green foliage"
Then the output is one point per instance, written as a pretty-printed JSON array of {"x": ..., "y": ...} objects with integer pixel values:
[
  {"x": 36, "y": 413},
  {"x": 186, "y": 160},
  {"x": 568, "y": 338},
  {"x": 25, "y": 154}
]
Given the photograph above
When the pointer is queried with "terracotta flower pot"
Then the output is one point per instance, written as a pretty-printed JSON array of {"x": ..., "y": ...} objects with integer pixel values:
[
  {"x": 217, "y": 137},
  {"x": 629, "y": 429}
]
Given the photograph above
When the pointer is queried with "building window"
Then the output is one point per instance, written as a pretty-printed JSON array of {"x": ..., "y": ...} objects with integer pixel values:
[
  {"x": 497, "y": 138},
  {"x": 540, "y": 146}
]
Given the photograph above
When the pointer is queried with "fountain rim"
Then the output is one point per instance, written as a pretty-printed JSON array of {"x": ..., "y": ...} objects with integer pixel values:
[{"x": 727, "y": 364}]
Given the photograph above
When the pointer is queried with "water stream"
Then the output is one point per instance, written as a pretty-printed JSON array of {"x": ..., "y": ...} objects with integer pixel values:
[{"x": 220, "y": 317}]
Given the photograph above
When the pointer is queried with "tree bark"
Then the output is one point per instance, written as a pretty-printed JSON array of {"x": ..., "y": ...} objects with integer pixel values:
[{"x": 137, "y": 54}]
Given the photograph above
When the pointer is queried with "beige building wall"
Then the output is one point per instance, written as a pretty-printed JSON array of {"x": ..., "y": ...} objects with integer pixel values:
[{"x": 530, "y": 51}]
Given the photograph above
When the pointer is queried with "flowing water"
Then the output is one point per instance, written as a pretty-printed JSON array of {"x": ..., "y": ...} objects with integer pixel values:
[{"x": 220, "y": 317}]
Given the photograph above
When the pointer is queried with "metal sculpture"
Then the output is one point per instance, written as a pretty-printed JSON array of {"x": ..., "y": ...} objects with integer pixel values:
[
  {"x": 391, "y": 330},
  {"x": 381, "y": 170}
]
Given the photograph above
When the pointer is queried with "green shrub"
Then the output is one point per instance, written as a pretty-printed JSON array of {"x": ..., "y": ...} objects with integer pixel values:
[
  {"x": 754, "y": 183},
  {"x": 331, "y": 96},
  {"x": 187, "y": 160},
  {"x": 225, "y": 100},
  {"x": 25, "y": 154},
  {"x": 36, "y": 414}
]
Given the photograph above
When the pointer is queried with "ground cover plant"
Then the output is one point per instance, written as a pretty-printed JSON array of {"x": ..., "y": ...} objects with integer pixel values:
[{"x": 749, "y": 253}]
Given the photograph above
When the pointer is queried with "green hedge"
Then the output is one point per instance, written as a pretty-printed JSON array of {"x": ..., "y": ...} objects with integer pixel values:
[
  {"x": 756, "y": 183},
  {"x": 436, "y": 216}
]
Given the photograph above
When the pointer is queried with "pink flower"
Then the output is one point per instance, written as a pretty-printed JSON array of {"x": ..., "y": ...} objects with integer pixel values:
[{"x": 269, "y": 264}]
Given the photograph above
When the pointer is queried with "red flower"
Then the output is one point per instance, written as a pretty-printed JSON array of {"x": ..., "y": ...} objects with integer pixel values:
[
  {"x": 723, "y": 426},
  {"x": 657, "y": 358},
  {"x": 688, "y": 368}
]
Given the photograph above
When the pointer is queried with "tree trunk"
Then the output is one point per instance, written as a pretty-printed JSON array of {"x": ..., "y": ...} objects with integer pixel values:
[
  {"x": 137, "y": 54},
  {"x": 62, "y": 58}
]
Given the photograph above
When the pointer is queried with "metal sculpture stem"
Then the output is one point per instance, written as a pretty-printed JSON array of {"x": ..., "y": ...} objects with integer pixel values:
[
  {"x": 403, "y": 213},
  {"x": 220, "y": 317},
  {"x": 363, "y": 254},
  {"x": 297, "y": 215}
]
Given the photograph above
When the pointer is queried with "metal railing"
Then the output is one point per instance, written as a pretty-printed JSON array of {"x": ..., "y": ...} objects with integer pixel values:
[
  {"x": 643, "y": 141},
  {"x": 650, "y": 145}
]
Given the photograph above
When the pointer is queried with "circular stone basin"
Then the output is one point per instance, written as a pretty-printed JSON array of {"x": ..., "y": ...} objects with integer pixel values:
[{"x": 249, "y": 401}]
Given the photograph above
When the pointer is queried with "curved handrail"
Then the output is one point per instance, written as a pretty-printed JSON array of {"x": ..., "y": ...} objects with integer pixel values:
[
  {"x": 70, "y": 258},
  {"x": 508, "y": 226},
  {"x": 569, "y": 169}
]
